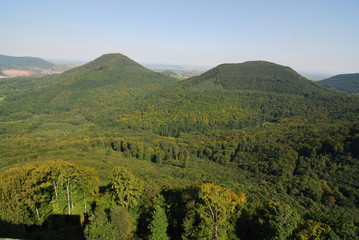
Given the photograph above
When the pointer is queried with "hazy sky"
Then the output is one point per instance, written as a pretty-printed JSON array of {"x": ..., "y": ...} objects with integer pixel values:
[{"x": 307, "y": 35}]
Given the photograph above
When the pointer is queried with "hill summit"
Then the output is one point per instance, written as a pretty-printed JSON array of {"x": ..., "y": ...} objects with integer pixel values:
[
  {"x": 111, "y": 62},
  {"x": 113, "y": 68},
  {"x": 255, "y": 75}
]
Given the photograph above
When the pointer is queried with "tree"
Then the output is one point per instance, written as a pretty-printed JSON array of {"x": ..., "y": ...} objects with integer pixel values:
[
  {"x": 72, "y": 185},
  {"x": 276, "y": 221},
  {"x": 100, "y": 227},
  {"x": 122, "y": 222},
  {"x": 315, "y": 230},
  {"x": 186, "y": 158},
  {"x": 33, "y": 192},
  {"x": 125, "y": 187},
  {"x": 112, "y": 225},
  {"x": 159, "y": 223},
  {"x": 23, "y": 192},
  {"x": 210, "y": 212}
]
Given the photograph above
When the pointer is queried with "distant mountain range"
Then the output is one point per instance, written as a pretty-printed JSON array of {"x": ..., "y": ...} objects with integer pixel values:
[{"x": 347, "y": 83}]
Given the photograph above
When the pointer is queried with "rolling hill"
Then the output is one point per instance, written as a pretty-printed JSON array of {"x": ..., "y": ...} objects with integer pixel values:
[
  {"x": 23, "y": 63},
  {"x": 347, "y": 83},
  {"x": 285, "y": 147},
  {"x": 257, "y": 76}
]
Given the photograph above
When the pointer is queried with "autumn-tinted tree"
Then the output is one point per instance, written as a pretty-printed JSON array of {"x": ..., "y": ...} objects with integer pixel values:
[
  {"x": 315, "y": 230},
  {"x": 32, "y": 192},
  {"x": 125, "y": 188},
  {"x": 122, "y": 222},
  {"x": 210, "y": 211}
]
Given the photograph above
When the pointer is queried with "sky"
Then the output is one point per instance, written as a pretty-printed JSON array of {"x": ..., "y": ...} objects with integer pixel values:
[{"x": 307, "y": 35}]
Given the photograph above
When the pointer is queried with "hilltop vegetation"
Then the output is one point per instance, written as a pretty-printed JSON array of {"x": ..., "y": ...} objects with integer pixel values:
[
  {"x": 243, "y": 151},
  {"x": 256, "y": 75},
  {"x": 347, "y": 83}
]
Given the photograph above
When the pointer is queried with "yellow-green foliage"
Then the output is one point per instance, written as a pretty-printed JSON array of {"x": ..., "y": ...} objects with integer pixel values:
[{"x": 32, "y": 192}]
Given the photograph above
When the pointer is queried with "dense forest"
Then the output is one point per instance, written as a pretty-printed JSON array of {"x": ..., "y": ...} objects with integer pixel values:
[
  {"x": 112, "y": 150},
  {"x": 347, "y": 83}
]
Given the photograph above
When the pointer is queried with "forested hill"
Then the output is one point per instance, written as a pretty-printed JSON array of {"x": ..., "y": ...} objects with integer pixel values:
[
  {"x": 23, "y": 63},
  {"x": 105, "y": 82},
  {"x": 255, "y": 76},
  {"x": 347, "y": 83},
  {"x": 112, "y": 68},
  {"x": 235, "y": 96}
]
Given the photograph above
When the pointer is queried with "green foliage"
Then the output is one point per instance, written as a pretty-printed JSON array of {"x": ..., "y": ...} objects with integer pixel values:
[
  {"x": 347, "y": 83},
  {"x": 100, "y": 227},
  {"x": 258, "y": 76},
  {"x": 118, "y": 224},
  {"x": 125, "y": 188},
  {"x": 277, "y": 221},
  {"x": 316, "y": 231},
  {"x": 122, "y": 222},
  {"x": 210, "y": 211},
  {"x": 159, "y": 223},
  {"x": 31, "y": 193}
]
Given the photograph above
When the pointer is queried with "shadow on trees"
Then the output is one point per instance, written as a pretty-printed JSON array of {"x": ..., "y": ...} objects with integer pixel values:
[{"x": 56, "y": 227}]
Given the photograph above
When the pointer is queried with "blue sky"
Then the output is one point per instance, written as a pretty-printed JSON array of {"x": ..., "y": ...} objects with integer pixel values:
[{"x": 307, "y": 35}]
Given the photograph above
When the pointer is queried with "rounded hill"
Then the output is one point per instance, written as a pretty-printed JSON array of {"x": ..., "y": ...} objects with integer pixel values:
[{"x": 254, "y": 75}]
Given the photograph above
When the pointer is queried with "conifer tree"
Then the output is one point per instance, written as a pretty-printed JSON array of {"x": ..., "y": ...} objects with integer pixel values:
[{"x": 159, "y": 224}]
